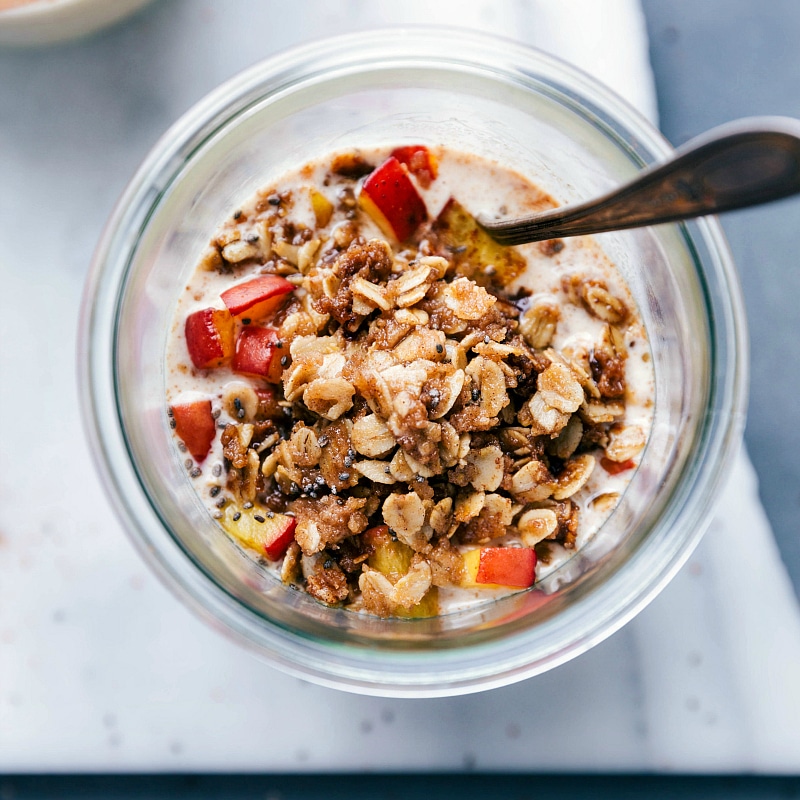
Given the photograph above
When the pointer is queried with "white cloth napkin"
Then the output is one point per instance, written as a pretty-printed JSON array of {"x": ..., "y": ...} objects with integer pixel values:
[{"x": 102, "y": 669}]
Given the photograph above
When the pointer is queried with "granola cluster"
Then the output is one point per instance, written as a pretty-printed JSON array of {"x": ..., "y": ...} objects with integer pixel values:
[
  {"x": 413, "y": 397},
  {"x": 397, "y": 427}
]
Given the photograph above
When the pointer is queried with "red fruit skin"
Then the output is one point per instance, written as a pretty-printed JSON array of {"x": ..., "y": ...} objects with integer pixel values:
[
  {"x": 377, "y": 535},
  {"x": 420, "y": 162},
  {"x": 390, "y": 198},
  {"x": 258, "y": 355},
  {"x": 195, "y": 427},
  {"x": 258, "y": 297},
  {"x": 284, "y": 536},
  {"x": 507, "y": 566},
  {"x": 209, "y": 337},
  {"x": 615, "y": 467}
]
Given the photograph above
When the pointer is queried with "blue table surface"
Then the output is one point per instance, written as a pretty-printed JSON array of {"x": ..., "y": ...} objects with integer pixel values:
[{"x": 714, "y": 60}]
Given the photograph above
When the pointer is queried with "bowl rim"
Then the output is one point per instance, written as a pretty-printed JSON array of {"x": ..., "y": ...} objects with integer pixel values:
[{"x": 174, "y": 147}]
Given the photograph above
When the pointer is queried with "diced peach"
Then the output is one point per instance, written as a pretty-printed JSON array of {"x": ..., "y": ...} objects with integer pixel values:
[
  {"x": 389, "y": 556},
  {"x": 195, "y": 427},
  {"x": 427, "y": 607},
  {"x": 260, "y": 529},
  {"x": 257, "y": 298},
  {"x": 390, "y": 198},
  {"x": 615, "y": 467},
  {"x": 497, "y": 567},
  {"x": 392, "y": 558},
  {"x": 209, "y": 337},
  {"x": 475, "y": 254},
  {"x": 258, "y": 355},
  {"x": 420, "y": 162},
  {"x": 322, "y": 207}
]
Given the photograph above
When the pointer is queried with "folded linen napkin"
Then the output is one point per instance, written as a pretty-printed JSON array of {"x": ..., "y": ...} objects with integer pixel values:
[{"x": 102, "y": 669}]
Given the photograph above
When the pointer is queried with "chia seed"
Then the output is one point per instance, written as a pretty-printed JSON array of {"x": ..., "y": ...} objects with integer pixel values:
[
  {"x": 188, "y": 463},
  {"x": 182, "y": 447},
  {"x": 328, "y": 563},
  {"x": 251, "y": 238},
  {"x": 216, "y": 470},
  {"x": 215, "y": 490},
  {"x": 196, "y": 472},
  {"x": 284, "y": 360},
  {"x": 221, "y": 502},
  {"x": 476, "y": 395},
  {"x": 344, "y": 476},
  {"x": 237, "y": 214},
  {"x": 237, "y": 516},
  {"x": 258, "y": 518},
  {"x": 248, "y": 504},
  {"x": 173, "y": 424},
  {"x": 217, "y": 515},
  {"x": 274, "y": 200},
  {"x": 215, "y": 413},
  {"x": 348, "y": 462},
  {"x": 440, "y": 348},
  {"x": 279, "y": 344},
  {"x": 246, "y": 321},
  {"x": 270, "y": 514},
  {"x": 323, "y": 440}
]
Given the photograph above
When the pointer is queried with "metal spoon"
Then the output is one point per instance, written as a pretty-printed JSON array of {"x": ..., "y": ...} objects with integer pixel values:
[{"x": 739, "y": 164}]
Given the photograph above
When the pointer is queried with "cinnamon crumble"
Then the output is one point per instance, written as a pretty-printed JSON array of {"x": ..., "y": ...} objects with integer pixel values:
[{"x": 405, "y": 411}]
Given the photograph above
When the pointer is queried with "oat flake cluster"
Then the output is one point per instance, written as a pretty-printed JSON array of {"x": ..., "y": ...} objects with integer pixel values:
[{"x": 415, "y": 397}]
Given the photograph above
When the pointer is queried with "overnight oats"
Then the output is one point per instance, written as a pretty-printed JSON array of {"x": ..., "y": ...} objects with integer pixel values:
[{"x": 392, "y": 412}]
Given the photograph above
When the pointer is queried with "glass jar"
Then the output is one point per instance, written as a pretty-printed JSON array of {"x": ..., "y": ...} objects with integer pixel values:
[{"x": 568, "y": 134}]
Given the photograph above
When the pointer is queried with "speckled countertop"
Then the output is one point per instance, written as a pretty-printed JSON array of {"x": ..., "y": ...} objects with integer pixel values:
[{"x": 102, "y": 669}]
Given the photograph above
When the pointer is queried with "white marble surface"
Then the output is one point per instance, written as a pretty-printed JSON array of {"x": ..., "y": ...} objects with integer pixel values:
[{"x": 101, "y": 669}]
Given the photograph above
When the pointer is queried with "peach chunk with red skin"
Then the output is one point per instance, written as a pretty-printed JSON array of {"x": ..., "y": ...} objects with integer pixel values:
[
  {"x": 420, "y": 162},
  {"x": 260, "y": 529},
  {"x": 258, "y": 354},
  {"x": 391, "y": 199},
  {"x": 195, "y": 427},
  {"x": 615, "y": 467},
  {"x": 209, "y": 337},
  {"x": 507, "y": 566},
  {"x": 257, "y": 298},
  {"x": 281, "y": 536}
]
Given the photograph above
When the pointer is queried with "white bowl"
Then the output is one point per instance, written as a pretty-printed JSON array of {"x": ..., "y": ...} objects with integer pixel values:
[{"x": 49, "y": 21}]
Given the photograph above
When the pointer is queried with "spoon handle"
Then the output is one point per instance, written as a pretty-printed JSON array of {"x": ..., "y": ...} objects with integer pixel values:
[{"x": 739, "y": 164}]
